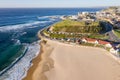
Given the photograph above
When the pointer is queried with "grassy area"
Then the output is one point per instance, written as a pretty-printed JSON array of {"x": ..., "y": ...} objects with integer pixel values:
[
  {"x": 53, "y": 35},
  {"x": 88, "y": 44},
  {"x": 77, "y": 27},
  {"x": 117, "y": 33},
  {"x": 94, "y": 45},
  {"x": 78, "y": 30},
  {"x": 75, "y": 35},
  {"x": 61, "y": 36},
  {"x": 98, "y": 36}
]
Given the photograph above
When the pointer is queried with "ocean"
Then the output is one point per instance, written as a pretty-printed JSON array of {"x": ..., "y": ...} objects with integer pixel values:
[{"x": 18, "y": 36}]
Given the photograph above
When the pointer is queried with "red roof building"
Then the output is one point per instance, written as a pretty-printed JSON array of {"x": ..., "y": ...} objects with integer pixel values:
[
  {"x": 95, "y": 41},
  {"x": 107, "y": 44},
  {"x": 103, "y": 42},
  {"x": 90, "y": 40}
]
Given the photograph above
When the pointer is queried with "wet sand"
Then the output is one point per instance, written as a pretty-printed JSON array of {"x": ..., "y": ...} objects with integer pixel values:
[
  {"x": 34, "y": 66},
  {"x": 41, "y": 64}
]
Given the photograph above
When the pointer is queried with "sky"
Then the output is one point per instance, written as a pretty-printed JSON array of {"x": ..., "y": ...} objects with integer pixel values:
[{"x": 57, "y": 3}]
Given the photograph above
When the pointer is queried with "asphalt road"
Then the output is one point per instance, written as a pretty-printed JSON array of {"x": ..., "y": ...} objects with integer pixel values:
[{"x": 110, "y": 32}]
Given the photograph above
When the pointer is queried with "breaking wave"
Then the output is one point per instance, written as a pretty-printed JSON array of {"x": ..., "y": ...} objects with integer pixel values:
[
  {"x": 22, "y": 26},
  {"x": 49, "y": 17},
  {"x": 19, "y": 70}
]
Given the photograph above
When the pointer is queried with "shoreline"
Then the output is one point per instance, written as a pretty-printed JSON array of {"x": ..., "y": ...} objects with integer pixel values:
[
  {"x": 36, "y": 59},
  {"x": 15, "y": 62},
  {"x": 19, "y": 70},
  {"x": 34, "y": 65},
  {"x": 41, "y": 64}
]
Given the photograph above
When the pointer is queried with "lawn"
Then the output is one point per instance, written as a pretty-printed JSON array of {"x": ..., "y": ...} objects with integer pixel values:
[
  {"x": 77, "y": 27},
  {"x": 98, "y": 36}
]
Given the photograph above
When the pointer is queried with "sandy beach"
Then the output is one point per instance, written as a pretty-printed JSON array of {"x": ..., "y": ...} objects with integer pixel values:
[{"x": 59, "y": 61}]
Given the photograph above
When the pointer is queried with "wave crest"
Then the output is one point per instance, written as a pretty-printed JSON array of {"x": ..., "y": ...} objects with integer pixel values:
[
  {"x": 22, "y": 26},
  {"x": 19, "y": 70}
]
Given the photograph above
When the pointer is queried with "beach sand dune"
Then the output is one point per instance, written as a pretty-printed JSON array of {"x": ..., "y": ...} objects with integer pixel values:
[{"x": 61, "y": 61}]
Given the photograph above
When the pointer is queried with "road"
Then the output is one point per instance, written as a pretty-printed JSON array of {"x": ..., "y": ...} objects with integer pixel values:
[{"x": 110, "y": 32}]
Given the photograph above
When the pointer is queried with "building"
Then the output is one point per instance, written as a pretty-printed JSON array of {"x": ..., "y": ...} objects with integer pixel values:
[
  {"x": 94, "y": 41},
  {"x": 90, "y": 40},
  {"x": 107, "y": 44},
  {"x": 114, "y": 50}
]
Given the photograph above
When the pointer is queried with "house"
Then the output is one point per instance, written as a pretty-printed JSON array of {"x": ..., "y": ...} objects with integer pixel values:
[
  {"x": 84, "y": 40},
  {"x": 114, "y": 50},
  {"x": 90, "y": 40},
  {"x": 107, "y": 44}
]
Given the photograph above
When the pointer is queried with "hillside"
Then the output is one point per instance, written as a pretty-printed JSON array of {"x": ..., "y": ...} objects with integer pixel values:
[{"x": 77, "y": 27}]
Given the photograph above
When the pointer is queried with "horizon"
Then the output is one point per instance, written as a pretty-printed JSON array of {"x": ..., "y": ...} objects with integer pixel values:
[
  {"x": 63, "y": 7},
  {"x": 57, "y": 4},
  {"x": 54, "y": 7},
  {"x": 49, "y": 7}
]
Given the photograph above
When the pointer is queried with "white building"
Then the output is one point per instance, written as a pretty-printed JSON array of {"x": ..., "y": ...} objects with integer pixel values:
[{"x": 115, "y": 51}]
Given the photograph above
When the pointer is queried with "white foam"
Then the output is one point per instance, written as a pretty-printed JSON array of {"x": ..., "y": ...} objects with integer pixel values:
[
  {"x": 18, "y": 42},
  {"x": 19, "y": 70},
  {"x": 22, "y": 26},
  {"x": 43, "y": 17},
  {"x": 23, "y": 33},
  {"x": 50, "y": 17},
  {"x": 31, "y": 24}
]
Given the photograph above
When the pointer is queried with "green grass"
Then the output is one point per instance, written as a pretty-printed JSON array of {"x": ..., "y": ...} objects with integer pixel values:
[
  {"x": 61, "y": 36},
  {"x": 53, "y": 35},
  {"x": 77, "y": 27},
  {"x": 117, "y": 33},
  {"x": 75, "y": 35},
  {"x": 79, "y": 30},
  {"x": 98, "y": 36}
]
